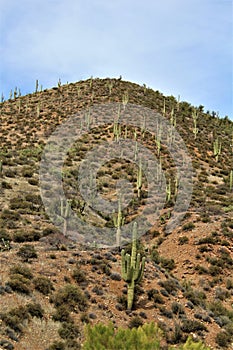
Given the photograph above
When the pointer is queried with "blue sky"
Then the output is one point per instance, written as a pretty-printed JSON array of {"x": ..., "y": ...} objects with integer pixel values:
[{"x": 180, "y": 47}]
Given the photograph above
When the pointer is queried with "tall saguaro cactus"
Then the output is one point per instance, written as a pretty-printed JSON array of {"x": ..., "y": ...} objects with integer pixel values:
[
  {"x": 139, "y": 178},
  {"x": 217, "y": 148},
  {"x": 231, "y": 179},
  {"x": 132, "y": 268},
  {"x": 118, "y": 220},
  {"x": 65, "y": 214}
]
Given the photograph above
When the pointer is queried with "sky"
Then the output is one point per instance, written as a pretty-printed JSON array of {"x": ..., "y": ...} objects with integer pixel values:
[{"x": 179, "y": 47}]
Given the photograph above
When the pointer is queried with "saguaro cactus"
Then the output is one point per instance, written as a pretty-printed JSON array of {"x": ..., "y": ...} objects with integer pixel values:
[
  {"x": 139, "y": 178},
  {"x": 118, "y": 222},
  {"x": 132, "y": 268},
  {"x": 231, "y": 179},
  {"x": 65, "y": 214},
  {"x": 217, "y": 148}
]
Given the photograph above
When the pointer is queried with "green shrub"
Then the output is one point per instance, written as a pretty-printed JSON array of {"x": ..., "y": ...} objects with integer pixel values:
[
  {"x": 19, "y": 283},
  {"x": 4, "y": 235},
  {"x": 223, "y": 339},
  {"x": 189, "y": 226},
  {"x": 57, "y": 345},
  {"x": 21, "y": 270},
  {"x": 170, "y": 285},
  {"x": 182, "y": 240},
  {"x": 146, "y": 337},
  {"x": 177, "y": 308},
  {"x": 135, "y": 322},
  {"x": 72, "y": 296},
  {"x": 189, "y": 326},
  {"x": 79, "y": 275},
  {"x": 24, "y": 236},
  {"x": 43, "y": 285},
  {"x": 35, "y": 310},
  {"x": 15, "y": 318},
  {"x": 27, "y": 252},
  {"x": 68, "y": 331},
  {"x": 62, "y": 314},
  {"x": 192, "y": 345}
]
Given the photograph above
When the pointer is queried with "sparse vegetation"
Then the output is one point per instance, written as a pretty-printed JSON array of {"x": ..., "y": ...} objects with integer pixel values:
[{"x": 186, "y": 286}]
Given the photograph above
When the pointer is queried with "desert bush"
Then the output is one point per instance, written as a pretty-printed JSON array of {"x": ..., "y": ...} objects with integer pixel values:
[
  {"x": 168, "y": 264},
  {"x": 221, "y": 294},
  {"x": 27, "y": 252},
  {"x": 189, "y": 226},
  {"x": 72, "y": 296},
  {"x": 57, "y": 345},
  {"x": 68, "y": 331},
  {"x": 21, "y": 270},
  {"x": 43, "y": 285},
  {"x": 15, "y": 318},
  {"x": 219, "y": 309},
  {"x": 122, "y": 300},
  {"x": 135, "y": 322},
  {"x": 177, "y": 308},
  {"x": 6, "y": 185},
  {"x": 223, "y": 339},
  {"x": 27, "y": 172},
  {"x": 153, "y": 294},
  {"x": 10, "y": 215},
  {"x": 72, "y": 344},
  {"x": 26, "y": 236},
  {"x": 19, "y": 283},
  {"x": 229, "y": 284},
  {"x": 4, "y": 235},
  {"x": 79, "y": 275},
  {"x": 35, "y": 310},
  {"x": 170, "y": 285},
  {"x": 33, "y": 182},
  {"x": 189, "y": 326},
  {"x": 196, "y": 297},
  {"x": 62, "y": 314},
  {"x": 182, "y": 240}
]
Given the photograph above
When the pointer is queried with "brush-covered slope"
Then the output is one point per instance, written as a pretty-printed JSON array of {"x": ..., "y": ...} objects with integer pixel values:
[{"x": 187, "y": 285}]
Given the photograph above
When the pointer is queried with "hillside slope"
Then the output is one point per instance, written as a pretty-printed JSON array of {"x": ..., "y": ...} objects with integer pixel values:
[{"x": 187, "y": 285}]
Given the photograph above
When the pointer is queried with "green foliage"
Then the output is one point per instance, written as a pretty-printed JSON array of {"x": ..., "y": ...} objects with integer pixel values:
[
  {"x": 57, "y": 345},
  {"x": 72, "y": 296},
  {"x": 189, "y": 326},
  {"x": 19, "y": 284},
  {"x": 27, "y": 252},
  {"x": 68, "y": 331},
  {"x": 21, "y": 270},
  {"x": 101, "y": 337},
  {"x": 191, "y": 345},
  {"x": 35, "y": 310},
  {"x": 62, "y": 314},
  {"x": 189, "y": 226},
  {"x": 43, "y": 285},
  {"x": 146, "y": 337},
  {"x": 223, "y": 339},
  {"x": 79, "y": 275},
  {"x": 135, "y": 322}
]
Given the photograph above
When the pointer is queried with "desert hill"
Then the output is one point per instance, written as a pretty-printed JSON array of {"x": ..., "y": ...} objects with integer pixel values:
[{"x": 187, "y": 285}]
